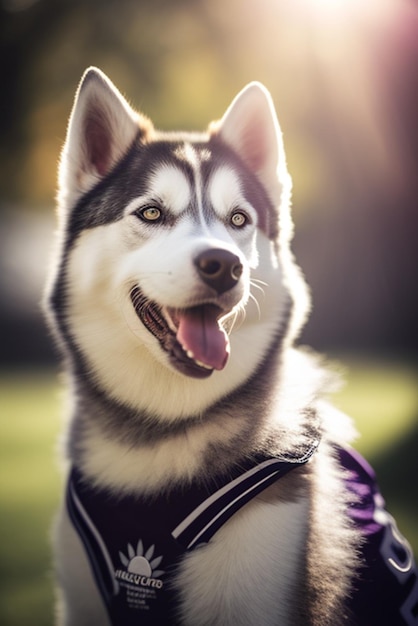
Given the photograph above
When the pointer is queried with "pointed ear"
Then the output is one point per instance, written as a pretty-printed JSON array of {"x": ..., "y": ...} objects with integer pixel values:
[
  {"x": 101, "y": 129},
  {"x": 250, "y": 127}
]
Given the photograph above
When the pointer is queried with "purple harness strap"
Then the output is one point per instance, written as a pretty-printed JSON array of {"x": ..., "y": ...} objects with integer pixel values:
[{"x": 386, "y": 588}]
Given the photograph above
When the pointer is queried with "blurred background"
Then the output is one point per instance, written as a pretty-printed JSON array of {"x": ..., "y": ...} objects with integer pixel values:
[{"x": 343, "y": 75}]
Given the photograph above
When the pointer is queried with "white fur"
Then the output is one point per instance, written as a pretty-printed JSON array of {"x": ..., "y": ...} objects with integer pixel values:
[
  {"x": 149, "y": 468},
  {"x": 103, "y": 321},
  {"x": 190, "y": 155},
  {"x": 247, "y": 573},
  {"x": 170, "y": 185},
  {"x": 245, "y": 577},
  {"x": 225, "y": 193}
]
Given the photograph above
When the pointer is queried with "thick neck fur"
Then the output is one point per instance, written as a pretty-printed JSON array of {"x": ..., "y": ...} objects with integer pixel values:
[
  {"x": 133, "y": 451},
  {"x": 276, "y": 412}
]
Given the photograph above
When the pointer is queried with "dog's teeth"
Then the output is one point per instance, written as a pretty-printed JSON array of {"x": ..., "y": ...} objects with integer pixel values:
[{"x": 200, "y": 364}]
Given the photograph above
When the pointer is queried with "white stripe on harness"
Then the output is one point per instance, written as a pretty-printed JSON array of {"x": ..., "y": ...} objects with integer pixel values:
[{"x": 182, "y": 527}]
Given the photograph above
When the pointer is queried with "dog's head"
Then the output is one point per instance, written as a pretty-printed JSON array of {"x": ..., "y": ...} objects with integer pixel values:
[{"x": 175, "y": 247}]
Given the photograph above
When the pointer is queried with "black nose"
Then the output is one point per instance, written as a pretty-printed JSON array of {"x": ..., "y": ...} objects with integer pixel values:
[{"x": 219, "y": 268}]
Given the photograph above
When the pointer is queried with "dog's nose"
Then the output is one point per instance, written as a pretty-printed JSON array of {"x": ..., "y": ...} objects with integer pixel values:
[{"x": 218, "y": 268}]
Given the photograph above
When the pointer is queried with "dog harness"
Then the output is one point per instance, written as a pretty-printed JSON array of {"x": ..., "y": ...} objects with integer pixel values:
[
  {"x": 385, "y": 590},
  {"x": 135, "y": 543}
]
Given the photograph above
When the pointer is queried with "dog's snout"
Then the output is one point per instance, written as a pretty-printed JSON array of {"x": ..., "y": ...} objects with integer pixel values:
[{"x": 218, "y": 268}]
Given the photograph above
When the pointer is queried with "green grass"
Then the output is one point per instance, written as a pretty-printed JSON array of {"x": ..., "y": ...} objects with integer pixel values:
[
  {"x": 29, "y": 491},
  {"x": 383, "y": 398}
]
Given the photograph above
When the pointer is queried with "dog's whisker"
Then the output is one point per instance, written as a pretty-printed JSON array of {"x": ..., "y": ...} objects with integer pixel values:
[
  {"x": 259, "y": 281},
  {"x": 254, "y": 299},
  {"x": 235, "y": 318},
  {"x": 254, "y": 284}
]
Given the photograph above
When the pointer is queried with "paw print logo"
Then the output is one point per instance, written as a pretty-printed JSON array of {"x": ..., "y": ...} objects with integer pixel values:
[{"x": 140, "y": 563}]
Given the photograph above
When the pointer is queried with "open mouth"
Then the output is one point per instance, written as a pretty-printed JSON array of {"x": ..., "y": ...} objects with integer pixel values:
[{"x": 193, "y": 338}]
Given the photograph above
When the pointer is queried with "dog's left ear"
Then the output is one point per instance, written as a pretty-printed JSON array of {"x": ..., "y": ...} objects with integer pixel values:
[{"x": 250, "y": 127}]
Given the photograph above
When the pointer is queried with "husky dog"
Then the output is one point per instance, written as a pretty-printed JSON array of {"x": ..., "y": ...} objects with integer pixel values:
[{"x": 209, "y": 481}]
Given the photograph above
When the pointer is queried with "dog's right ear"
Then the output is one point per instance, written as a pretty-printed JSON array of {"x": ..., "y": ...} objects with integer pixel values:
[{"x": 101, "y": 129}]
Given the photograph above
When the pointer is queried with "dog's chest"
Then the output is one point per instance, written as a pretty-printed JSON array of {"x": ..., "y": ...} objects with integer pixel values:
[
  {"x": 237, "y": 554},
  {"x": 252, "y": 571}
]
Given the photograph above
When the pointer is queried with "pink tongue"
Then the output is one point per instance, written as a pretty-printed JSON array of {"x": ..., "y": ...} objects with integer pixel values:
[{"x": 200, "y": 334}]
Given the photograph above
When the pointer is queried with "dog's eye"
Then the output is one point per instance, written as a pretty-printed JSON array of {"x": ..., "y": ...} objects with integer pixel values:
[
  {"x": 238, "y": 219},
  {"x": 150, "y": 214}
]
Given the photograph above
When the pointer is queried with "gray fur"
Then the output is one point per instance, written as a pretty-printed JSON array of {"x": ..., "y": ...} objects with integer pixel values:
[{"x": 245, "y": 413}]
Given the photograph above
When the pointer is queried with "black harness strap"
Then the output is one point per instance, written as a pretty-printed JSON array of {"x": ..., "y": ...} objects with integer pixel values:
[
  {"x": 134, "y": 543},
  {"x": 205, "y": 520}
]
